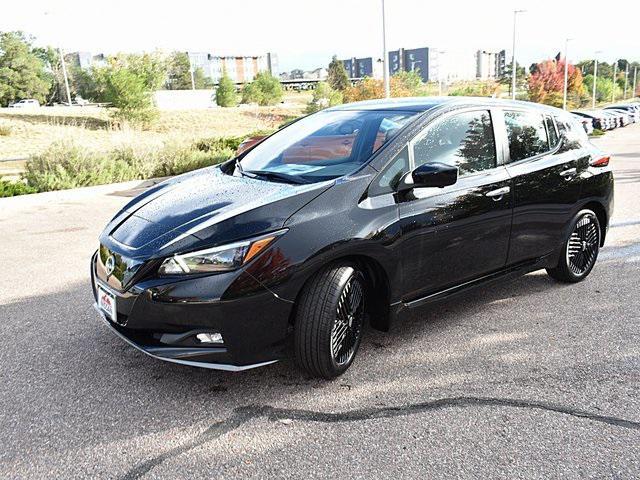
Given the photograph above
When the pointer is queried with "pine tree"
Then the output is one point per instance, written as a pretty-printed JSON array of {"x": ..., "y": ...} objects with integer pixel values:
[
  {"x": 337, "y": 76},
  {"x": 226, "y": 93}
]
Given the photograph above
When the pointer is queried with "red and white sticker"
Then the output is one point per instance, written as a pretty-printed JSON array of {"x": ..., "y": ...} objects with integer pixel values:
[{"x": 107, "y": 303}]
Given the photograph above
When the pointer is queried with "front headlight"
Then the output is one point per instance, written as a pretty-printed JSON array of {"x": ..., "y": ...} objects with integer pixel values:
[{"x": 217, "y": 259}]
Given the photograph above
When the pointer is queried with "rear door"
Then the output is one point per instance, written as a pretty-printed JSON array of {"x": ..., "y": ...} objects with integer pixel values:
[{"x": 546, "y": 183}]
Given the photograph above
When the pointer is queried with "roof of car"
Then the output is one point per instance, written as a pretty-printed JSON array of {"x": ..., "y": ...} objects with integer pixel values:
[{"x": 422, "y": 104}]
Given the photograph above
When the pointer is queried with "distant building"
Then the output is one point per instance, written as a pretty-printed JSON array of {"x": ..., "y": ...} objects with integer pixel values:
[
  {"x": 85, "y": 60},
  {"x": 360, "y": 67},
  {"x": 411, "y": 60},
  {"x": 240, "y": 69},
  {"x": 490, "y": 65}
]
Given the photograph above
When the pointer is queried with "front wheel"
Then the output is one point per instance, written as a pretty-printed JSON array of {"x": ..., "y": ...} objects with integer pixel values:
[
  {"x": 329, "y": 321},
  {"x": 580, "y": 250}
]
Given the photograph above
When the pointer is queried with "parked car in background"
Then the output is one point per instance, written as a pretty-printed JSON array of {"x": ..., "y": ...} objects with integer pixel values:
[
  {"x": 621, "y": 119},
  {"x": 628, "y": 115},
  {"x": 598, "y": 120},
  {"x": 27, "y": 103},
  {"x": 586, "y": 123},
  {"x": 632, "y": 110},
  {"x": 361, "y": 213}
]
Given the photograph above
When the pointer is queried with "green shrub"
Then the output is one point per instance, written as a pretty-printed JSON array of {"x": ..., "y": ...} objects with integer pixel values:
[
  {"x": 596, "y": 131},
  {"x": 264, "y": 90},
  {"x": 174, "y": 160},
  {"x": 66, "y": 165},
  {"x": 324, "y": 96},
  {"x": 218, "y": 143},
  {"x": 226, "y": 93},
  {"x": 10, "y": 189}
]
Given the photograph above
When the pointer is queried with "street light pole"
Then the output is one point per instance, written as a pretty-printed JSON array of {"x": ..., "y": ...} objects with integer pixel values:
[
  {"x": 385, "y": 56},
  {"x": 635, "y": 77},
  {"x": 566, "y": 73},
  {"x": 613, "y": 90},
  {"x": 595, "y": 79},
  {"x": 626, "y": 80},
  {"x": 513, "y": 55}
]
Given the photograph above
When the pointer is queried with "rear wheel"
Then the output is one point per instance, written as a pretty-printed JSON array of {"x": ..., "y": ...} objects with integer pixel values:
[
  {"x": 329, "y": 321},
  {"x": 580, "y": 250}
]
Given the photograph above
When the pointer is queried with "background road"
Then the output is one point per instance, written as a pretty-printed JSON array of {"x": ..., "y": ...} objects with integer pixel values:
[{"x": 528, "y": 378}]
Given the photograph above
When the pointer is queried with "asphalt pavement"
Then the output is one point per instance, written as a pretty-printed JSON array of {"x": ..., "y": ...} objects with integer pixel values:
[{"x": 523, "y": 379}]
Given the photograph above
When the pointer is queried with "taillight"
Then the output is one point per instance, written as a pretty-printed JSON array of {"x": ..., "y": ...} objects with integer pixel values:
[{"x": 600, "y": 162}]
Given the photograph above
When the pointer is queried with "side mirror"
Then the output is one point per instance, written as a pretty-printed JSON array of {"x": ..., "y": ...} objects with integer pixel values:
[{"x": 429, "y": 175}]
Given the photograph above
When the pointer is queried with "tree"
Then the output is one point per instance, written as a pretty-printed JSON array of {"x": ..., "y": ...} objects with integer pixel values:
[
  {"x": 226, "y": 93},
  {"x": 264, "y": 90},
  {"x": 337, "y": 77},
  {"x": 128, "y": 83},
  {"x": 22, "y": 72},
  {"x": 129, "y": 95},
  {"x": 402, "y": 84},
  {"x": 521, "y": 77},
  {"x": 324, "y": 96},
  {"x": 179, "y": 73},
  {"x": 546, "y": 84}
]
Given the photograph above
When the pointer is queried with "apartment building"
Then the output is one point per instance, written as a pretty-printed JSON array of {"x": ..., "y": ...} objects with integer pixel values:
[
  {"x": 240, "y": 69},
  {"x": 490, "y": 65}
]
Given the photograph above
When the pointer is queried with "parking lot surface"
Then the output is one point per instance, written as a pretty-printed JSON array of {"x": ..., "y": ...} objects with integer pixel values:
[{"x": 524, "y": 379}]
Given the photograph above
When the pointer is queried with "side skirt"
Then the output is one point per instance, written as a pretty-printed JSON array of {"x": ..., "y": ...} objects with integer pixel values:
[{"x": 505, "y": 273}]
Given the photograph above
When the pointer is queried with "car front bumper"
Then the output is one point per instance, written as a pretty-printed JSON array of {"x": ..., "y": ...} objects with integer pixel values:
[{"x": 163, "y": 321}]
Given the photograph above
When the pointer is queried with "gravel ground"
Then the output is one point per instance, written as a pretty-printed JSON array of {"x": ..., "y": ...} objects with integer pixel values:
[{"x": 524, "y": 379}]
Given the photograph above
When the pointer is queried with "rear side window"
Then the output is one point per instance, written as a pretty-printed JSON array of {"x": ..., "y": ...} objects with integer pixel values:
[
  {"x": 551, "y": 132},
  {"x": 526, "y": 133},
  {"x": 464, "y": 140},
  {"x": 574, "y": 135}
]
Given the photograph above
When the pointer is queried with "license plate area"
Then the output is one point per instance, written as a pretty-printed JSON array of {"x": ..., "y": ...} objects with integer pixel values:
[{"x": 107, "y": 303}]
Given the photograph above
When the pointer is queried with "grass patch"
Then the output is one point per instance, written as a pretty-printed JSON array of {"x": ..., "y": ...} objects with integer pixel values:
[
  {"x": 597, "y": 132},
  {"x": 5, "y": 130}
]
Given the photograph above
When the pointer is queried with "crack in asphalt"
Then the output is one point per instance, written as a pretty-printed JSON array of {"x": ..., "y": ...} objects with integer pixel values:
[{"x": 242, "y": 415}]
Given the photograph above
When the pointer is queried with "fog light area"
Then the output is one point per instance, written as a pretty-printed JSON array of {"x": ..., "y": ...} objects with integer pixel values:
[{"x": 209, "y": 337}]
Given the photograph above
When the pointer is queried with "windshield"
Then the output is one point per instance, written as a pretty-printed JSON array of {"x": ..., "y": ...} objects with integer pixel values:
[{"x": 323, "y": 146}]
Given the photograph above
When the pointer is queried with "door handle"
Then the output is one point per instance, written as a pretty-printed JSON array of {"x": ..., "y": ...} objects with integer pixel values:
[
  {"x": 498, "y": 193},
  {"x": 569, "y": 174}
]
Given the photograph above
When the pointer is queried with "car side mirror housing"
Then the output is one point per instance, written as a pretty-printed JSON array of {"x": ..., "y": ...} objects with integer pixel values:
[{"x": 429, "y": 175}]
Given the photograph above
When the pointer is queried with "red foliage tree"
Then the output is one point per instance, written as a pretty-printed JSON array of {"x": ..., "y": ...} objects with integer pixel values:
[{"x": 546, "y": 84}]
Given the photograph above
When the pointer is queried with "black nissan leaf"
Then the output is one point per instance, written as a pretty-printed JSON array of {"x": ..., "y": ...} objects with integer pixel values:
[{"x": 350, "y": 218}]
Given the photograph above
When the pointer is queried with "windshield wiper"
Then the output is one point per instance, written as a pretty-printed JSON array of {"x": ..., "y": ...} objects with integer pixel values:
[{"x": 277, "y": 176}]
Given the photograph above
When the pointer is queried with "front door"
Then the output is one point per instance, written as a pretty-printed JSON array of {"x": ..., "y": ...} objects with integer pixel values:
[{"x": 454, "y": 234}]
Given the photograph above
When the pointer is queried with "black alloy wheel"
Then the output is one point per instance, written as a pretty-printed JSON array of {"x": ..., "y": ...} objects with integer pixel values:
[
  {"x": 580, "y": 250},
  {"x": 330, "y": 317}
]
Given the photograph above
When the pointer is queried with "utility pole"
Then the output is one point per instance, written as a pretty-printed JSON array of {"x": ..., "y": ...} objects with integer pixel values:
[
  {"x": 513, "y": 55},
  {"x": 613, "y": 90},
  {"x": 64, "y": 74},
  {"x": 626, "y": 80},
  {"x": 385, "y": 56},
  {"x": 193, "y": 79},
  {"x": 635, "y": 77},
  {"x": 566, "y": 73}
]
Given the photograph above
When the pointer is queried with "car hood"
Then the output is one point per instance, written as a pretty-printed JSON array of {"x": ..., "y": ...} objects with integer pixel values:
[{"x": 202, "y": 209}]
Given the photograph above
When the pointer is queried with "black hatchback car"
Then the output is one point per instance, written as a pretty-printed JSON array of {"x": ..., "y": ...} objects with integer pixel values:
[{"x": 353, "y": 215}]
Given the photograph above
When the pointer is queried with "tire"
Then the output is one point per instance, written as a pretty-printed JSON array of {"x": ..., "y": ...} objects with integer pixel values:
[
  {"x": 580, "y": 250},
  {"x": 329, "y": 321}
]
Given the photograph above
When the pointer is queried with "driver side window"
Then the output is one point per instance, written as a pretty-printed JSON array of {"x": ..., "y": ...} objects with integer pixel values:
[{"x": 464, "y": 140}]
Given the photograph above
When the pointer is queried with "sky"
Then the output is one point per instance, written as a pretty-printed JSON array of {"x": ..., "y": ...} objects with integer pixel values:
[{"x": 305, "y": 34}]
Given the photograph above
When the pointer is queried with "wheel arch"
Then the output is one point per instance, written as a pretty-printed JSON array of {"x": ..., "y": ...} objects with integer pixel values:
[
  {"x": 379, "y": 288},
  {"x": 601, "y": 213}
]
